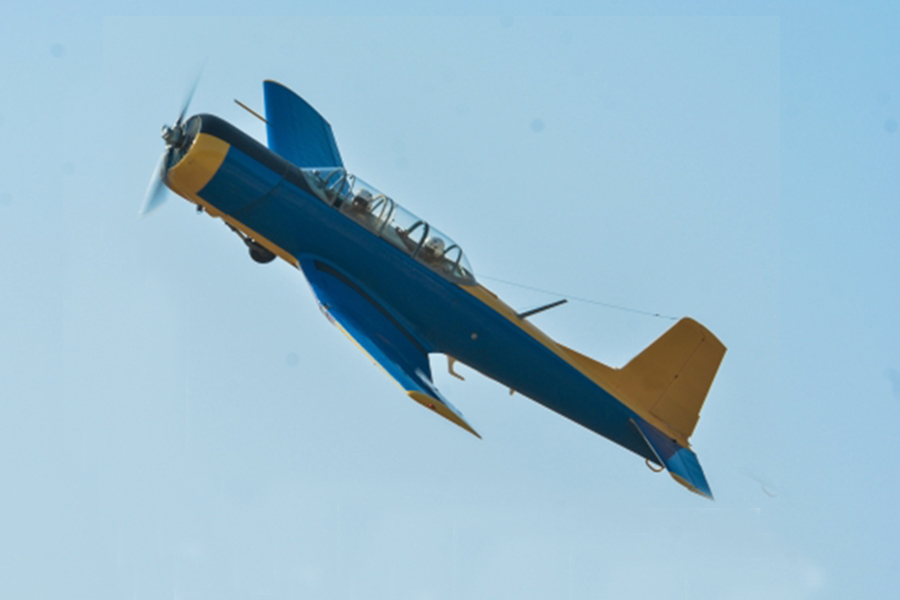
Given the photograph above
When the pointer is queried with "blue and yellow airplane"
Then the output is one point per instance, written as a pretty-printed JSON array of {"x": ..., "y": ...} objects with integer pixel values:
[{"x": 402, "y": 290}]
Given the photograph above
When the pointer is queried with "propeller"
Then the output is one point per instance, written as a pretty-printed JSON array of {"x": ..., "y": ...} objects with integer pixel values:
[
  {"x": 156, "y": 191},
  {"x": 174, "y": 137}
]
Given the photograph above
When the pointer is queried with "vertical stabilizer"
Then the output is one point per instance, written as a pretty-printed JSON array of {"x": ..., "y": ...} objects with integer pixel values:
[
  {"x": 672, "y": 376},
  {"x": 668, "y": 382}
]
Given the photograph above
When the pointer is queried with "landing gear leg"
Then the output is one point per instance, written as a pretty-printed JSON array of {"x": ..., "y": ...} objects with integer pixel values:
[{"x": 258, "y": 252}]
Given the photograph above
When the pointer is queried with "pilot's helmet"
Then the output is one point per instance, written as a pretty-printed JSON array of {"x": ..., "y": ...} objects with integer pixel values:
[
  {"x": 435, "y": 247},
  {"x": 362, "y": 199}
]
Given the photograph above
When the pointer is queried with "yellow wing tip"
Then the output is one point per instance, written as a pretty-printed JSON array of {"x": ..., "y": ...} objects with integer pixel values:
[{"x": 441, "y": 409}]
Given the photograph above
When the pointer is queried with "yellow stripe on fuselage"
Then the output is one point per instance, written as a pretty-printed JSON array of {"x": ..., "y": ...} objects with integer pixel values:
[{"x": 196, "y": 169}]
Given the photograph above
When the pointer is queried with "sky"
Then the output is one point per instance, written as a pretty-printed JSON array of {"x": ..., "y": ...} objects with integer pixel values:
[{"x": 178, "y": 422}]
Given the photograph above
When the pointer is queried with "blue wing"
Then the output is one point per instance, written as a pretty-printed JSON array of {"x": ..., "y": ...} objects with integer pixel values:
[
  {"x": 296, "y": 131},
  {"x": 379, "y": 335}
]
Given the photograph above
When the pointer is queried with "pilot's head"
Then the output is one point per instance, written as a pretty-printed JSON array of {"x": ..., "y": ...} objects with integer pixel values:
[
  {"x": 434, "y": 248},
  {"x": 362, "y": 199}
]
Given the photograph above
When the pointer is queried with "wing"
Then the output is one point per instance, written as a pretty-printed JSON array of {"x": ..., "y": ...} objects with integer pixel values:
[
  {"x": 296, "y": 131},
  {"x": 378, "y": 334}
]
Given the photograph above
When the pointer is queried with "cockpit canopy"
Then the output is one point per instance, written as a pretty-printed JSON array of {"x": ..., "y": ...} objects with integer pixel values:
[{"x": 390, "y": 221}]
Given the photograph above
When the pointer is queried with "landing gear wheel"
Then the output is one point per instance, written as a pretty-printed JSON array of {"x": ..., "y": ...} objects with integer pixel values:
[{"x": 259, "y": 253}]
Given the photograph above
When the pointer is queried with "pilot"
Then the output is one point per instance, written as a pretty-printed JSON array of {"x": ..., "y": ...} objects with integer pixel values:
[
  {"x": 361, "y": 201},
  {"x": 433, "y": 250}
]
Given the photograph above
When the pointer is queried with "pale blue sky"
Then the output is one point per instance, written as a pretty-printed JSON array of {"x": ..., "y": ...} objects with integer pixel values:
[{"x": 179, "y": 422}]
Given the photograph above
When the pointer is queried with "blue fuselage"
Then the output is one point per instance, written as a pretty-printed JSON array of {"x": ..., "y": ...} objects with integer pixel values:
[{"x": 269, "y": 196}]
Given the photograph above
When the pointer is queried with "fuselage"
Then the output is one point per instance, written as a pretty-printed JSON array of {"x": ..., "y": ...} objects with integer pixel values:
[{"x": 234, "y": 177}]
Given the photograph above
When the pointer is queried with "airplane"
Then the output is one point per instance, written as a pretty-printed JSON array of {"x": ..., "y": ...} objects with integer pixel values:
[{"x": 402, "y": 290}]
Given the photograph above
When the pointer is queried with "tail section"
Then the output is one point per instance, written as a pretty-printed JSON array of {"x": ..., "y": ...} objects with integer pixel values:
[
  {"x": 669, "y": 380},
  {"x": 666, "y": 385}
]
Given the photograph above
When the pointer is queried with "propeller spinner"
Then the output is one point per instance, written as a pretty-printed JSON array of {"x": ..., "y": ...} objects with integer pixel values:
[{"x": 175, "y": 137}]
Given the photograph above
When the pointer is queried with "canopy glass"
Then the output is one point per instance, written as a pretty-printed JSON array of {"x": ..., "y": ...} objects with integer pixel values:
[{"x": 385, "y": 218}]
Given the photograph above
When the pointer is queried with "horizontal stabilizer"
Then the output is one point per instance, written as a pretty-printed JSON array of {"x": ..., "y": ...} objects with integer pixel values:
[
  {"x": 681, "y": 462},
  {"x": 296, "y": 131}
]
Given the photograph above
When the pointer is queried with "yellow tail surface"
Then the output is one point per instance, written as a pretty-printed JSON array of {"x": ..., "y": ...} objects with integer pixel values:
[{"x": 669, "y": 380}]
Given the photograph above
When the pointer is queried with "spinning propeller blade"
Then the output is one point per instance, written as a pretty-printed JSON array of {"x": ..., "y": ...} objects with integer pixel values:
[
  {"x": 174, "y": 137},
  {"x": 156, "y": 191},
  {"x": 187, "y": 100}
]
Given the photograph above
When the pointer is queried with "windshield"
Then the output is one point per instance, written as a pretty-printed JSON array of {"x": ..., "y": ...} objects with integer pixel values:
[{"x": 385, "y": 218}]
